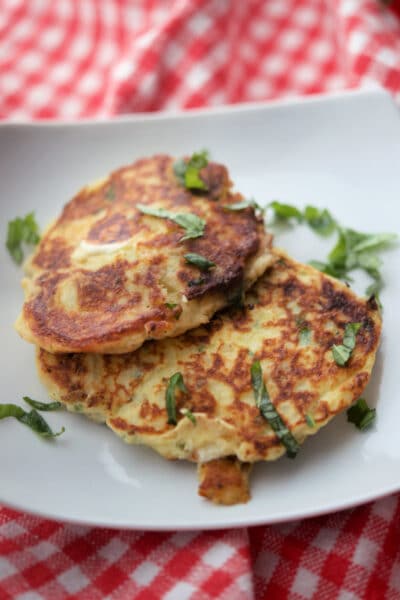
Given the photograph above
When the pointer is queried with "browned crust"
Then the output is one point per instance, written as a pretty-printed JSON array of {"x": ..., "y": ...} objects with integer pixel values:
[{"x": 224, "y": 481}]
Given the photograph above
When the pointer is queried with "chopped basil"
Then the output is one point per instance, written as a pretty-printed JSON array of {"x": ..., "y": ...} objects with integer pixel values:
[
  {"x": 305, "y": 336},
  {"x": 193, "y": 224},
  {"x": 285, "y": 211},
  {"x": 251, "y": 203},
  {"x": 109, "y": 192},
  {"x": 188, "y": 413},
  {"x": 356, "y": 250},
  {"x": 353, "y": 249},
  {"x": 319, "y": 220},
  {"x": 199, "y": 261},
  {"x": 170, "y": 305},
  {"x": 44, "y": 406},
  {"x": 342, "y": 353},
  {"x": 175, "y": 383},
  {"x": 188, "y": 172},
  {"x": 310, "y": 420},
  {"x": 270, "y": 413},
  {"x": 361, "y": 415},
  {"x": 21, "y": 231},
  {"x": 31, "y": 419}
]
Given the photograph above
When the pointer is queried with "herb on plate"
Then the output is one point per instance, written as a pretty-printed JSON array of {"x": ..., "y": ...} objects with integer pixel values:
[
  {"x": 43, "y": 406},
  {"x": 251, "y": 203},
  {"x": 269, "y": 412},
  {"x": 188, "y": 172},
  {"x": 199, "y": 261},
  {"x": 361, "y": 414},
  {"x": 31, "y": 419},
  {"x": 22, "y": 231},
  {"x": 175, "y": 383},
  {"x": 193, "y": 225}
]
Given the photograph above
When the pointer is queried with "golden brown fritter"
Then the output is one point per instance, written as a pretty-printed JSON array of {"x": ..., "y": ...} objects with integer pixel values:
[
  {"x": 106, "y": 277},
  {"x": 292, "y": 318}
]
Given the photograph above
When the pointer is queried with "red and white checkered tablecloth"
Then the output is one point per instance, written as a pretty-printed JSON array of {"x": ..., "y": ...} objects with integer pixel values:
[{"x": 94, "y": 58}]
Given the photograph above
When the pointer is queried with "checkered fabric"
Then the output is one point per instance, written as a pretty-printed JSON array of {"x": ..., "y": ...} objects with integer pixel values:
[{"x": 81, "y": 58}]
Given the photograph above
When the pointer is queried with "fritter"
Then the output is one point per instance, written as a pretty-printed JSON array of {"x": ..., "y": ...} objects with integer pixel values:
[
  {"x": 291, "y": 320},
  {"x": 107, "y": 276}
]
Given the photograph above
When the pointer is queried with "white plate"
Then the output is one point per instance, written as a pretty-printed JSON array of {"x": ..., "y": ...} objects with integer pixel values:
[{"x": 340, "y": 152}]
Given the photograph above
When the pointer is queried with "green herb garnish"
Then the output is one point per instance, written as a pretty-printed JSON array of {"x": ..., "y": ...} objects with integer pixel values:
[
  {"x": 188, "y": 413},
  {"x": 251, "y": 203},
  {"x": 269, "y": 412},
  {"x": 320, "y": 220},
  {"x": 175, "y": 383},
  {"x": 193, "y": 224},
  {"x": 310, "y": 420},
  {"x": 353, "y": 249},
  {"x": 170, "y": 305},
  {"x": 305, "y": 336},
  {"x": 188, "y": 172},
  {"x": 199, "y": 261},
  {"x": 109, "y": 192},
  {"x": 31, "y": 419},
  {"x": 361, "y": 415},
  {"x": 342, "y": 353},
  {"x": 285, "y": 211},
  {"x": 22, "y": 231},
  {"x": 44, "y": 406}
]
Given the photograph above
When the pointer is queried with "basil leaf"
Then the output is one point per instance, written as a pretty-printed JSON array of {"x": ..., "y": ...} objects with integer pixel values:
[
  {"x": 109, "y": 192},
  {"x": 285, "y": 211},
  {"x": 376, "y": 241},
  {"x": 305, "y": 336},
  {"x": 33, "y": 419},
  {"x": 44, "y": 406},
  {"x": 270, "y": 413},
  {"x": 175, "y": 383},
  {"x": 188, "y": 413},
  {"x": 349, "y": 339},
  {"x": 341, "y": 354},
  {"x": 361, "y": 415},
  {"x": 251, "y": 203},
  {"x": 320, "y": 220},
  {"x": 188, "y": 172},
  {"x": 310, "y": 421},
  {"x": 170, "y": 305},
  {"x": 193, "y": 224},
  {"x": 329, "y": 269},
  {"x": 199, "y": 261},
  {"x": 11, "y": 410},
  {"x": 21, "y": 231}
]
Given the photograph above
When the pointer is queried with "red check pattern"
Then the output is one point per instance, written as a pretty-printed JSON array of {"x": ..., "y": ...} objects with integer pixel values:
[{"x": 92, "y": 58}]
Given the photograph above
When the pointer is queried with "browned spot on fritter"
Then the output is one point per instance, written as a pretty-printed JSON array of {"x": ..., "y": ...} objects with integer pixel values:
[
  {"x": 113, "y": 228},
  {"x": 87, "y": 202},
  {"x": 150, "y": 411},
  {"x": 216, "y": 179},
  {"x": 224, "y": 481},
  {"x": 228, "y": 252},
  {"x": 131, "y": 429},
  {"x": 53, "y": 254}
]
